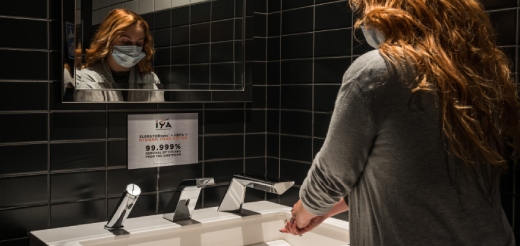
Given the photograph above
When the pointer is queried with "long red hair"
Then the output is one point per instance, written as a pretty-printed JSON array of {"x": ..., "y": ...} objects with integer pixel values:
[{"x": 117, "y": 21}]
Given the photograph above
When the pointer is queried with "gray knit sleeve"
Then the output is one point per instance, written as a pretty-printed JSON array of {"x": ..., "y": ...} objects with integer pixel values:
[{"x": 342, "y": 158}]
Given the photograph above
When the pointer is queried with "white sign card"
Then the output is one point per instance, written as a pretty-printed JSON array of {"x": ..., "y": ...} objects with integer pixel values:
[{"x": 162, "y": 140}]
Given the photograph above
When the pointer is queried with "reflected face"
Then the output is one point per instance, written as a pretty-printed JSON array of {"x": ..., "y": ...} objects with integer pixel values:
[{"x": 133, "y": 35}]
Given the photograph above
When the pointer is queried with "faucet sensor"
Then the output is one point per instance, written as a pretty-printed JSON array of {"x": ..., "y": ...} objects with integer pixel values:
[{"x": 123, "y": 208}]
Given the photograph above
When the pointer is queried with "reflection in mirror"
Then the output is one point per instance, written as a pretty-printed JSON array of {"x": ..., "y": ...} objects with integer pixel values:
[{"x": 136, "y": 50}]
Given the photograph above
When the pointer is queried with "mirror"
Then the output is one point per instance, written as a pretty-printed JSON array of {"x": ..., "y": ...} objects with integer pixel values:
[{"x": 178, "y": 51}]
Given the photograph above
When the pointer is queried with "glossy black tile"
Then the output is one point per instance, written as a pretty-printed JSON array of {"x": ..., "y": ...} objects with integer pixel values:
[
  {"x": 333, "y": 43},
  {"x": 13, "y": 70},
  {"x": 222, "y": 31},
  {"x": 14, "y": 127},
  {"x": 180, "y": 55},
  {"x": 296, "y": 72},
  {"x": 200, "y": 33},
  {"x": 15, "y": 242},
  {"x": 321, "y": 124},
  {"x": 117, "y": 125},
  {"x": 330, "y": 70},
  {"x": 200, "y": 12},
  {"x": 273, "y": 73},
  {"x": 272, "y": 167},
  {"x": 23, "y": 159},
  {"x": 223, "y": 121},
  {"x": 507, "y": 183},
  {"x": 37, "y": 9},
  {"x": 255, "y": 145},
  {"x": 296, "y": 123},
  {"x": 296, "y": 148},
  {"x": 260, "y": 6},
  {"x": 255, "y": 121},
  {"x": 273, "y": 49},
  {"x": 260, "y": 49},
  {"x": 289, "y": 4},
  {"x": 70, "y": 156},
  {"x": 325, "y": 97},
  {"x": 23, "y": 191},
  {"x": 216, "y": 147},
  {"x": 224, "y": 170},
  {"x": 294, "y": 171},
  {"x": 297, "y": 46},
  {"x": 66, "y": 126},
  {"x": 273, "y": 24},
  {"x": 116, "y": 153},
  {"x": 180, "y": 75},
  {"x": 360, "y": 46},
  {"x": 333, "y": 15},
  {"x": 14, "y": 96},
  {"x": 54, "y": 29},
  {"x": 180, "y": 35},
  {"x": 170, "y": 177},
  {"x": 199, "y": 53},
  {"x": 222, "y": 74},
  {"x": 260, "y": 29},
  {"x": 29, "y": 34},
  {"x": 118, "y": 179},
  {"x": 296, "y": 97},
  {"x": 222, "y": 52},
  {"x": 273, "y": 121},
  {"x": 259, "y": 100},
  {"x": 273, "y": 97},
  {"x": 199, "y": 74},
  {"x": 145, "y": 206},
  {"x": 15, "y": 223},
  {"x": 161, "y": 37},
  {"x": 162, "y": 56},
  {"x": 162, "y": 19},
  {"x": 70, "y": 214},
  {"x": 180, "y": 16},
  {"x": 504, "y": 22},
  {"x": 507, "y": 205},
  {"x": 222, "y": 9},
  {"x": 253, "y": 195},
  {"x": 256, "y": 165},
  {"x": 298, "y": 20},
  {"x": 274, "y": 5},
  {"x": 68, "y": 187},
  {"x": 150, "y": 19},
  {"x": 273, "y": 145}
]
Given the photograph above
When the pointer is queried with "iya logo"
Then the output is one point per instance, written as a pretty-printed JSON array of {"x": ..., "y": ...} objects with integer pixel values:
[{"x": 162, "y": 124}]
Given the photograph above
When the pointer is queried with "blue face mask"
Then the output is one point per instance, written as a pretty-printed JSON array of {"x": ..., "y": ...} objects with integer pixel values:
[
  {"x": 373, "y": 36},
  {"x": 127, "y": 56}
]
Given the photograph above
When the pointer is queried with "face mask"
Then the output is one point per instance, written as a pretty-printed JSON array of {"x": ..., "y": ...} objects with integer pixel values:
[
  {"x": 373, "y": 36},
  {"x": 127, "y": 56}
]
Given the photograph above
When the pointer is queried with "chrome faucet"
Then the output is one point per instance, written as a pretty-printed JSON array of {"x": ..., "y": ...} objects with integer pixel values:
[
  {"x": 123, "y": 208},
  {"x": 181, "y": 205},
  {"x": 235, "y": 194}
]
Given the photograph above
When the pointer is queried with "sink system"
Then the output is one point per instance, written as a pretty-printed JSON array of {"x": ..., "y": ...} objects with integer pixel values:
[
  {"x": 232, "y": 223},
  {"x": 215, "y": 229}
]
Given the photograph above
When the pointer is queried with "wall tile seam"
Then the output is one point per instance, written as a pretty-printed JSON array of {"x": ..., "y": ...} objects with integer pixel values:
[
  {"x": 500, "y": 10},
  {"x": 13, "y": 240},
  {"x": 23, "y": 49},
  {"x": 17, "y": 112},
  {"x": 297, "y": 161},
  {"x": 25, "y": 174},
  {"x": 199, "y": 64},
  {"x": 2, "y": 209},
  {"x": 296, "y": 135},
  {"x": 26, "y": 81},
  {"x": 223, "y": 159},
  {"x": 23, "y": 18}
]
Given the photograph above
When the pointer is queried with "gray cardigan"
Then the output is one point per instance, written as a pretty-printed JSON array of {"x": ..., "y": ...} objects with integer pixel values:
[
  {"x": 92, "y": 82},
  {"x": 386, "y": 152}
]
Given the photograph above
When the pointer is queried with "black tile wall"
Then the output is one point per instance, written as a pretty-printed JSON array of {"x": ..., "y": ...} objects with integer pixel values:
[
  {"x": 71, "y": 158},
  {"x": 65, "y": 164}
]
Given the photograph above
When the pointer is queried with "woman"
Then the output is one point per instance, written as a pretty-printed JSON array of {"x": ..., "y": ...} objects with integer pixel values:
[
  {"x": 119, "y": 56},
  {"x": 422, "y": 131}
]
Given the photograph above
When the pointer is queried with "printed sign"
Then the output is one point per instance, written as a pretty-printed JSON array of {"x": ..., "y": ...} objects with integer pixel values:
[{"x": 162, "y": 140}]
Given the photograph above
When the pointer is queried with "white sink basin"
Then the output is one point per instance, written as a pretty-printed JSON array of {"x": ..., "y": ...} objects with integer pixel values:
[{"x": 215, "y": 229}]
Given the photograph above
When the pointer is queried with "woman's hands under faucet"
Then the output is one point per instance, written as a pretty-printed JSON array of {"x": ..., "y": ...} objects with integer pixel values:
[{"x": 306, "y": 221}]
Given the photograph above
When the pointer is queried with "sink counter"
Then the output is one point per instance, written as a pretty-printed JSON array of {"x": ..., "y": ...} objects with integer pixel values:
[{"x": 209, "y": 227}]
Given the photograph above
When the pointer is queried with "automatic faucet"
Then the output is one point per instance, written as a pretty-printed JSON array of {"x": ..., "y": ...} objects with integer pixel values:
[
  {"x": 123, "y": 208},
  {"x": 181, "y": 205},
  {"x": 235, "y": 194}
]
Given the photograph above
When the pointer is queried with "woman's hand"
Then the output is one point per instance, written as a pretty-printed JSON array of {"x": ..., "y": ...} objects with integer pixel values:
[
  {"x": 300, "y": 220},
  {"x": 306, "y": 221}
]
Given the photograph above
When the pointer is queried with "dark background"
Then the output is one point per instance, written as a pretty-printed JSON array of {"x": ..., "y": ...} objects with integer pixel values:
[{"x": 65, "y": 164}]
